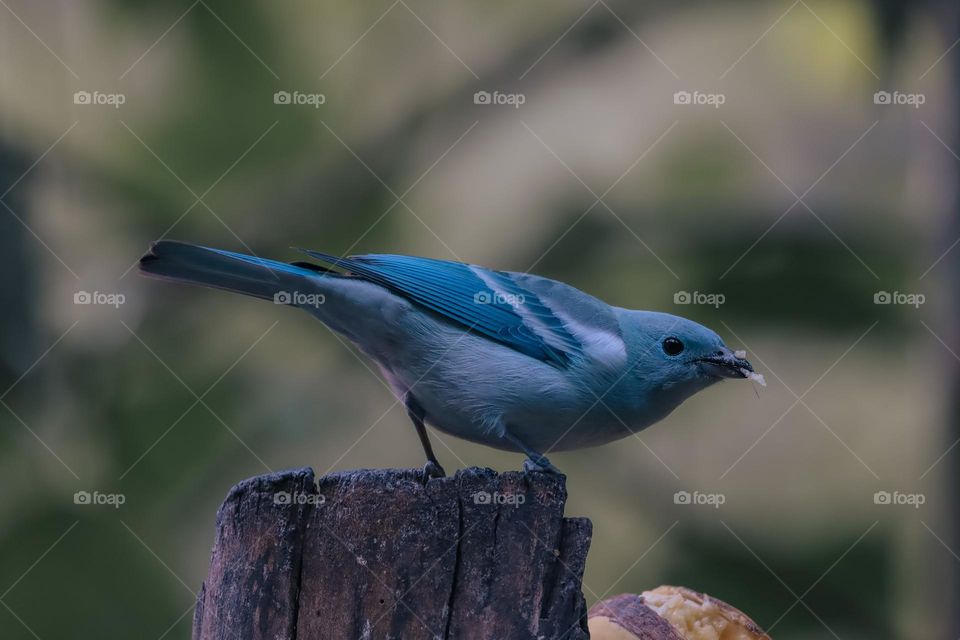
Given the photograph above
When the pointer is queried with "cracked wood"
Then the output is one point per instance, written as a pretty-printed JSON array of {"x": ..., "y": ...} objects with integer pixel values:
[{"x": 384, "y": 554}]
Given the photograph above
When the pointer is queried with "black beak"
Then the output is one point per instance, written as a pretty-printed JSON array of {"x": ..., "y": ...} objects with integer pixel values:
[{"x": 725, "y": 364}]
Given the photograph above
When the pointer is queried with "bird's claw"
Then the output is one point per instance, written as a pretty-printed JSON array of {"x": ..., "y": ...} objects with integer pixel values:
[
  {"x": 540, "y": 465},
  {"x": 433, "y": 469}
]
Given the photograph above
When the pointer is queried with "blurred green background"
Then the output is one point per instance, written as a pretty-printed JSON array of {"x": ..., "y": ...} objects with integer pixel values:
[{"x": 797, "y": 199}]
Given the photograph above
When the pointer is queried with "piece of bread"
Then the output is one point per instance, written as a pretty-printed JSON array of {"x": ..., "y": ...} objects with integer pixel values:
[{"x": 670, "y": 613}]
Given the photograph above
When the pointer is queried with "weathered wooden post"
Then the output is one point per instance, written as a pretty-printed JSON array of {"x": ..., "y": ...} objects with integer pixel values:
[{"x": 387, "y": 554}]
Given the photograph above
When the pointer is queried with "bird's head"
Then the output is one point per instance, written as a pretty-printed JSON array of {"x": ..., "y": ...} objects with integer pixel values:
[{"x": 677, "y": 357}]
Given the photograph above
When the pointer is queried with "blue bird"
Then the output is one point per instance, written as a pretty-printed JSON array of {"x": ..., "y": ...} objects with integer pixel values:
[{"x": 509, "y": 360}]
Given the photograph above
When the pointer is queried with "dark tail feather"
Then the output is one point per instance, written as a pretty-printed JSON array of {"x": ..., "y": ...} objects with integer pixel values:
[{"x": 250, "y": 275}]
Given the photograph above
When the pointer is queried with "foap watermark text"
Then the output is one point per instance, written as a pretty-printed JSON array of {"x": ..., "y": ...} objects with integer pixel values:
[
  {"x": 512, "y": 99},
  {"x": 99, "y": 298},
  {"x": 898, "y": 297},
  {"x": 699, "y": 498},
  {"x": 699, "y": 297},
  {"x": 99, "y": 98},
  {"x": 299, "y": 98},
  {"x": 898, "y": 498},
  {"x": 97, "y": 498},
  {"x": 505, "y": 498},
  {"x": 899, "y": 98},
  {"x": 498, "y": 297},
  {"x": 299, "y": 298},
  {"x": 298, "y": 498},
  {"x": 699, "y": 98}
]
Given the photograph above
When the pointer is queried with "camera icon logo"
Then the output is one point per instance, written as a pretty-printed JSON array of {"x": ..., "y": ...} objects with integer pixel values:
[
  {"x": 281, "y": 497},
  {"x": 482, "y": 97},
  {"x": 482, "y": 497},
  {"x": 882, "y": 497},
  {"x": 681, "y": 497},
  {"x": 282, "y": 297},
  {"x": 483, "y": 297},
  {"x": 682, "y": 297},
  {"x": 82, "y": 497},
  {"x": 82, "y": 297},
  {"x": 882, "y": 297},
  {"x": 881, "y": 97},
  {"x": 281, "y": 97},
  {"x": 682, "y": 97},
  {"x": 82, "y": 97}
]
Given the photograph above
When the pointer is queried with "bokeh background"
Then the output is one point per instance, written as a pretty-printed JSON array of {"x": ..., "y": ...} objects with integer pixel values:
[{"x": 794, "y": 202}]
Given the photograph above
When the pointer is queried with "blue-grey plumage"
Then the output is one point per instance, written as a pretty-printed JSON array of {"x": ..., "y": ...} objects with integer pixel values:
[{"x": 510, "y": 360}]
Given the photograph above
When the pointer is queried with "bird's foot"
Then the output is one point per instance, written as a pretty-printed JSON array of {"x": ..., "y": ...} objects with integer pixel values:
[
  {"x": 432, "y": 469},
  {"x": 540, "y": 464}
]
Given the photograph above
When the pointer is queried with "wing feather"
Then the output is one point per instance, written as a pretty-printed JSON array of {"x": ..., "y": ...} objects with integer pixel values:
[{"x": 491, "y": 303}]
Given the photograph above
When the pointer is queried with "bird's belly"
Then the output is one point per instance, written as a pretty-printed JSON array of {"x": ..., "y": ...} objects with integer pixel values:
[
  {"x": 566, "y": 430},
  {"x": 547, "y": 423},
  {"x": 477, "y": 401},
  {"x": 474, "y": 389}
]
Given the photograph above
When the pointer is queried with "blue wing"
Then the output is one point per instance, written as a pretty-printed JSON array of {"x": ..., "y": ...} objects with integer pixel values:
[{"x": 490, "y": 303}]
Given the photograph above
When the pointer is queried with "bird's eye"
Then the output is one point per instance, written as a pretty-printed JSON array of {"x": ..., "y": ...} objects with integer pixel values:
[{"x": 672, "y": 346}]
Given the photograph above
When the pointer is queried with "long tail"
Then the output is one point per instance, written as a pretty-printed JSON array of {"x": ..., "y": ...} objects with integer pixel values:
[{"x": 250, "y": 275}]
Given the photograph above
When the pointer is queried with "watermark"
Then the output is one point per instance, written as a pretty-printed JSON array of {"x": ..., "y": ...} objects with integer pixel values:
[
  {"x": 699, "y": 98},
  {"x": 298, "y": 498},
  {"x": 485, "y": 97},
  {"x": 97, "y": 498},
  {"x": 99, "y": 98},
  {"x": 100, "y": 298},
  {"x": 897, "y": 498},
  {"x": 897, "y": 97},
  {"x": 511, "y": 499},
  {"x": 898, "y": 297},
  {"x": 698, "y": 297},
  {"x": 299, "y": 298},
  {"x": 498, "y": 297},
  {"x": 299, "y": 98},
  {"x": 697, "y": 498}
]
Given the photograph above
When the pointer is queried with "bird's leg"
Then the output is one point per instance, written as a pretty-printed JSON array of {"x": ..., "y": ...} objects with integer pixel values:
[
  {"x": 535, "y": 461},
  {"x": 432, "y": 468}
]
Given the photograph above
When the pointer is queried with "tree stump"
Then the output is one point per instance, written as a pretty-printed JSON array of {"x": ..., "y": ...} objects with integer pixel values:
[{"x": 388, "y": 554}]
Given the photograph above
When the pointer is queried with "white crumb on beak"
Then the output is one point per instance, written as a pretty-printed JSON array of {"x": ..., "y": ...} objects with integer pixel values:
[
  {"x": 756, "y": 377},
  {"x": 740, "y": 354}
]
